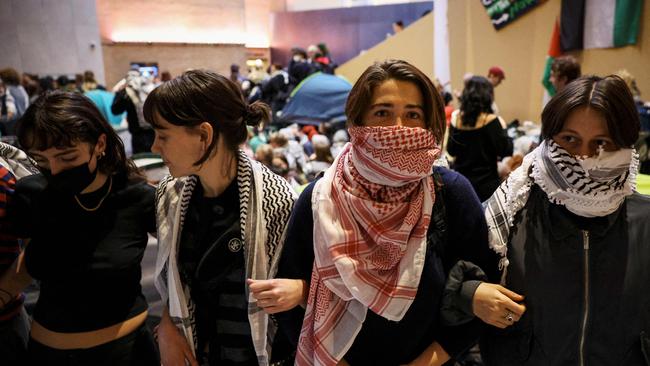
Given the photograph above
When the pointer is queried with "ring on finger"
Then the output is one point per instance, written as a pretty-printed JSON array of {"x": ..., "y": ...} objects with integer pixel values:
[{"x": 510, "y": 316}]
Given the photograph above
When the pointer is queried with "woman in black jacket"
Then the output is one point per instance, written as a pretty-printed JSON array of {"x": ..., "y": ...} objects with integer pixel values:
[{"x": 575, "y": 236}]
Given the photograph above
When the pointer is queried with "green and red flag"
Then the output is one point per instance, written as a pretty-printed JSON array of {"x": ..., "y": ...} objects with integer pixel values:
[
  {"x": 554, "y": 51},
  {"x": 599, "y": 23}
]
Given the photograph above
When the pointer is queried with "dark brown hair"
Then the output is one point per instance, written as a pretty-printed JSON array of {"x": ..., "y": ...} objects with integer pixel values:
[
  {"x": 477, "y": 98},
  {"x": 610, "y": 96},
  {"x": 361, "y": 94},
  {"x": 10, "y": 76},
  {"x": 89, "y": 77},
  {"x": 62, "y": 119},
  {"x": 165, "y": 76},
  {"x": 566, "y": 66},
  {"x": 199, "y": 96}
]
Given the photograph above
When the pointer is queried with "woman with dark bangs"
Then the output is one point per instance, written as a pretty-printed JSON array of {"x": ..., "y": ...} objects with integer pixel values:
[
  {"x": 86, "y": 215},
  {"x": 221, "y": 223}
]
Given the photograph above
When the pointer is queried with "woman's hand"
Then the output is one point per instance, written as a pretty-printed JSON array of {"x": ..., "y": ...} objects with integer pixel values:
[
  {"x": 174, "y": 350},
  {"x": 14, "y": 279},
  {"x": 497, "y": 306},
  {"x": 279, "y": 294}
]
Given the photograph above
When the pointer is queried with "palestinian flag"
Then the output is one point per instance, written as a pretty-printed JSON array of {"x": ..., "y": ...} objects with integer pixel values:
[
  {"x": 554, "y": 51},
  {"x": 599, "y": 23}
]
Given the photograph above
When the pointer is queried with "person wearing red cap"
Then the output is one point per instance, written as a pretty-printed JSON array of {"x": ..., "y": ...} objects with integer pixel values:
[{"x": 496, "y": 76}]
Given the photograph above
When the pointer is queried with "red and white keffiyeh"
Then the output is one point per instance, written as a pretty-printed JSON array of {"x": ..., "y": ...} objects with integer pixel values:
[{"x": 371, "y": 214}]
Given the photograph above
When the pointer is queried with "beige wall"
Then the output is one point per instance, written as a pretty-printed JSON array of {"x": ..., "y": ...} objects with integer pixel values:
[
  {"x": 175, "y": 58},
  {"x": 414, "y": 44},
  {"x": 183, "y": 34},
  {"x": 203, "y": 21},
  {"x": 520, "y": 49},
  {"x": 636, "y": 59}
]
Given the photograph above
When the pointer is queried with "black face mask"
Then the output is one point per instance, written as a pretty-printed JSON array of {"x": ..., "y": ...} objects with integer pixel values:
[{"x": 70, "y": 181}]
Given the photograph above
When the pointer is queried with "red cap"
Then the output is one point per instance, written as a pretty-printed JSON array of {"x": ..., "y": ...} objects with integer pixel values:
[{"x": 497, "y": 71}]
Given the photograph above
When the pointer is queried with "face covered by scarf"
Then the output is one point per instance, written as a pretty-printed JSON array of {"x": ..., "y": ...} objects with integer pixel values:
[
  {"x": 371, "y": 214},
  {"x": 591, "y": 186}
]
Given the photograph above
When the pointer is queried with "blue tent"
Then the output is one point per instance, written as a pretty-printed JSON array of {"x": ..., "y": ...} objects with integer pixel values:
[{"x": 317, "y": 99}]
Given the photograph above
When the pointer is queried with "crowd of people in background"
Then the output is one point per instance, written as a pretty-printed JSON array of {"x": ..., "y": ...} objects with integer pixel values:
[
  {"x": 475, "y": 146},
  {"x": 412, "y": 147},
  {"x": 295, "y": 155}
]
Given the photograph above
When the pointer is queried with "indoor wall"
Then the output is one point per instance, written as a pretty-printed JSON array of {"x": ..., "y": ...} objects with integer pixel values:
[{"x": 520, "y": 49}]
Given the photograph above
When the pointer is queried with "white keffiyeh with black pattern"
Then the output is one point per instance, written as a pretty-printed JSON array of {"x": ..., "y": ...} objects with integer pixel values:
[
  {"x": 590, "y": 187},
  {"x": 266, "y": 200},
  {"x": 16, "y": 161}
]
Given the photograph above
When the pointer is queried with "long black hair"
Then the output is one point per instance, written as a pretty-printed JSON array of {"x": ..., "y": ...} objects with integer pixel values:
[
  {"x": 477, "y": 98},
  {"x": 62, "y": 119}
]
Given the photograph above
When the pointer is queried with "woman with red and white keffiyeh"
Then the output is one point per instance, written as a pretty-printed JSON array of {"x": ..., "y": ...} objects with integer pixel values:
[{"x": 376, "y": 237}]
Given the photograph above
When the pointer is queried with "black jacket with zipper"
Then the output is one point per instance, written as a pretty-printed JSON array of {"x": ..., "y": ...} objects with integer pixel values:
[{"x": 586, "y": 283}]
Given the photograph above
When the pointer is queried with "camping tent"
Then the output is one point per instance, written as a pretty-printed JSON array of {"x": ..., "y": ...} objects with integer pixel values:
[{"x": 317, "y": 99}]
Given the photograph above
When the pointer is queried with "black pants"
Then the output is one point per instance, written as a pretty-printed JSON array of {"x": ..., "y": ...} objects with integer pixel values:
[{"x": 134, "y": 349}]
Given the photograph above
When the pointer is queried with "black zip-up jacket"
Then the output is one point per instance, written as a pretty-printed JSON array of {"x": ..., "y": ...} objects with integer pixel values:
[{"x": 586, "y": 283}]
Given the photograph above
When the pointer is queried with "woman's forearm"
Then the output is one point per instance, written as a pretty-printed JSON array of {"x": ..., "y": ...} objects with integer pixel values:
[
  {"x": 14, "y": 280},
  {"x": 434, "y": 355}
]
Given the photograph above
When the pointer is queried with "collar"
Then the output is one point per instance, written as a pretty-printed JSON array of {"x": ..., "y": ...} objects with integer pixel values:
[{"x": 563, "y": 224}]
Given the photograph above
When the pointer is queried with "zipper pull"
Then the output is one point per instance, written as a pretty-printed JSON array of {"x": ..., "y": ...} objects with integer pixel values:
[{"x": 585, "y": 239}]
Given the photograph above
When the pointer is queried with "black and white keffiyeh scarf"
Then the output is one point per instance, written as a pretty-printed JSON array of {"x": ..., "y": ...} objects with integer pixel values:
[
  {"x": 266, "y": 200},
  {"x": 588, "y": 187},
  {"x": 16, "y": 161}
]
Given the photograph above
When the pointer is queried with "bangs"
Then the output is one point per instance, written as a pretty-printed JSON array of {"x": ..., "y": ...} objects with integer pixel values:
[{"x": 39, "y": 133}]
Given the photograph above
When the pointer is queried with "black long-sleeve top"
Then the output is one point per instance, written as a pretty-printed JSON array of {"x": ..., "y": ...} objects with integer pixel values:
[
  {"x": 122, "y": 103},
  {"x": 88, "y": 262},
  {"x": 477, "y": 151},
  {"x": 384, "y": 342}
]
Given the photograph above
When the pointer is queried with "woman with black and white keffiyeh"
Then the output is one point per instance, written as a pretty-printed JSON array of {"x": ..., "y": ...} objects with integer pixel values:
[
  {"x": 221, "y": 224},
  {"x": 574, "y": 237}
]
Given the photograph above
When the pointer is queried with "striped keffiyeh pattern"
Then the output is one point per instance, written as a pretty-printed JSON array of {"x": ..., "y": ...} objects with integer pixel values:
[
  {"x": 588, "y": 187},
  {"x": 265, "y": 200},
  {"x": 371, "y": 213}
]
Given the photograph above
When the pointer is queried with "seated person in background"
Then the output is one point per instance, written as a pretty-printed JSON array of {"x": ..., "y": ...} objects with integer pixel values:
[{"x": 322, "y": 157}]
